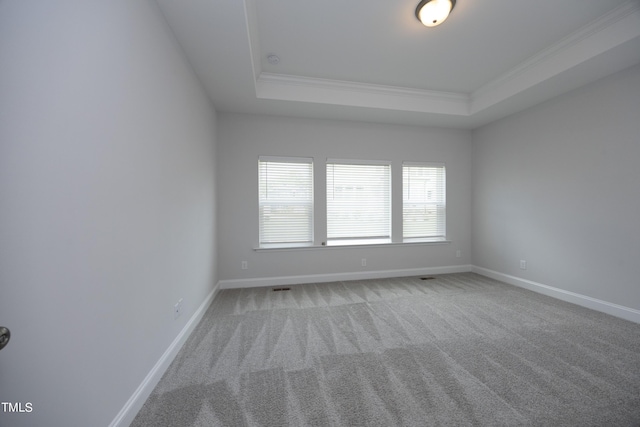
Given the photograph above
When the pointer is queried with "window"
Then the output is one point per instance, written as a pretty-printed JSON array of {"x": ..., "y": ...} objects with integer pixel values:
[
  {"x": 358, "y": 202},
  {"x": 285, "y": 192},
  {"x": 423, "y": 201}
]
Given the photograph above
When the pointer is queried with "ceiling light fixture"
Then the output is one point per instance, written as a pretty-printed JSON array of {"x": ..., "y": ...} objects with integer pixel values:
[{"x": 434, "y": 12}]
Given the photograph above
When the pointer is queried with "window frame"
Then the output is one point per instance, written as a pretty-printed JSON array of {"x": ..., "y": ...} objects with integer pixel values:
[
  {"x": 318, "y": 208},
  {"x": 439, "y": 204},
  {"x": 306, "y": 202},
  {"x": 332, "y": 236}
]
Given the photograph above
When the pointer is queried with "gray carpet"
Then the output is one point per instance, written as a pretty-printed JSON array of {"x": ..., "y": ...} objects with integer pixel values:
[{"x": 458, "y": 350}]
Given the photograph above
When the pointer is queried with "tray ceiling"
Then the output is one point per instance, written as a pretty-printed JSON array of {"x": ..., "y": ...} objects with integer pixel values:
[{"x": 374, "y": 61}]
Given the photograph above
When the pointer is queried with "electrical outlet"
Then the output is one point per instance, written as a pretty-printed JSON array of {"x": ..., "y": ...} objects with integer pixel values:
[
  {"x": 458, "y": 254},
  {"x": 245, "y": 265},
  {"x": 177, "y": 309},
  {"x": 523, "y": 264},
  {"x": 363, "y": 262}
]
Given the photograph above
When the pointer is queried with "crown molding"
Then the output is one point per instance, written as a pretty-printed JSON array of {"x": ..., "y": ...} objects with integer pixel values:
[
  {"x": 251, "y": 21},
  {"x": 325, "y": 91},
  {"x": 606, "y": 33},
  {"x": 609, "y": 31}
]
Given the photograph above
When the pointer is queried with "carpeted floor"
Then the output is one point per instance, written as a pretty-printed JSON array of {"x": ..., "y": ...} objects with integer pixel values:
[{"x": 457, "y": 350}]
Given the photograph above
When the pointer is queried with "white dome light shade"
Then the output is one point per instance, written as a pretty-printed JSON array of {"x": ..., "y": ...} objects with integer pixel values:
[{"x": 434, "y": 12}]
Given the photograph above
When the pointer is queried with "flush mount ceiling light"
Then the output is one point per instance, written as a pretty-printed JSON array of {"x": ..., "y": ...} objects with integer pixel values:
[{"x": 434, "y": 12}]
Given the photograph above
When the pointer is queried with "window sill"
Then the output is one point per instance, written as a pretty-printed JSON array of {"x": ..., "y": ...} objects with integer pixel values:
[{"x": 351, "y": 246}]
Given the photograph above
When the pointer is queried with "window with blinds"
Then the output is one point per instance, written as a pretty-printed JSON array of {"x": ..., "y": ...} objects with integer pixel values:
[
  {"x": 358, "y": 202},
  {"x": 423, "y": 201},
  {"x": 285, "y": 192}
]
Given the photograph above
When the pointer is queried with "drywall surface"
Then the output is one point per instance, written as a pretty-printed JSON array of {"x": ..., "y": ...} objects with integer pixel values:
[
  {"x": 559, "y": 187},
  {"x": 107, "y": 217},
  {"x": 243, "y": 138}
]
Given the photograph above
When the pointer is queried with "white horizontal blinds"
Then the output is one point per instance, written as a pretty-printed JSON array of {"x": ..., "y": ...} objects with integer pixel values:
[
  {"x": 423, "y": 200},
  {"x": 358, "y": 200},
  {"x": 285, "y": 200}
]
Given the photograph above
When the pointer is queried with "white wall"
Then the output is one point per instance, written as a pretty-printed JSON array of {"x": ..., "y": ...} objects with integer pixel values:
[
  {"x": 107, "y": 192},
  {"x": 559, "y": 186},
  {"x": 242, "y": 138}
]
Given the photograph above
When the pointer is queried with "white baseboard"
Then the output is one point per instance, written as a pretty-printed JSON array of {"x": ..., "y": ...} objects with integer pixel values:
[
  {"x": 135, "y": 402},
  {"x": 623, "y": 312},
  {"x": 336, "y": 277}
]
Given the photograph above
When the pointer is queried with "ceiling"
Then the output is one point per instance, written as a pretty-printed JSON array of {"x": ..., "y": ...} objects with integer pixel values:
[{"x": 372, "y": 60}]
